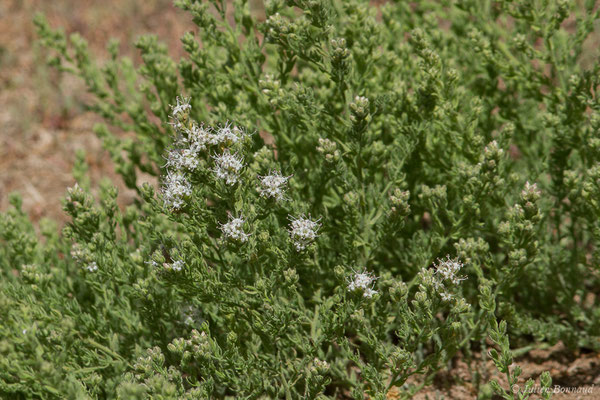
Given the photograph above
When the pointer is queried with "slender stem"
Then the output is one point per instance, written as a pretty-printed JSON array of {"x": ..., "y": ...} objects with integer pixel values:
[
  {"x": 105, "y": 349},
  {"x": 526, "y": 349}
]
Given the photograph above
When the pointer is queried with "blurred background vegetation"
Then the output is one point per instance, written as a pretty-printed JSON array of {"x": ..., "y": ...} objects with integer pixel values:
[{"x": 43, "y": 120}]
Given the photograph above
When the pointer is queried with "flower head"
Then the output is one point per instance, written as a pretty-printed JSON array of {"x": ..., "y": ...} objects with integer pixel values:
[
  {"x": 445, "y": 296},
  {"x": 448, "y": 268},
  {"x": 443, "y": 277},
  {"x": 233, "y": 229},
  {"x": 228, "y": 167},
  {"x": 227, "y": 135},
  {"x": 175, "y": 266},
  {"x": 180, "y": 114},
  {"x": 199, "y": 137},
  {"x": 92, "y": 267},
  {"x": 175, "y": 188},
  {"x": 303, "y": 231},
  {"x": 363, "y": 281},
  {"x": 180, "y": 159},
  {"x": 183, "y": 106},
  {"x": 271, "y": 186}
]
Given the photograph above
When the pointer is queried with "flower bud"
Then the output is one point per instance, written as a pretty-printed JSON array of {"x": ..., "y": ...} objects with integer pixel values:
[{"x": 290, "y": 276}]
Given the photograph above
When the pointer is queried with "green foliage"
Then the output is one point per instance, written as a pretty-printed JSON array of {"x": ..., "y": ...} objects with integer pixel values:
[
  {"x": 331, "y": 152},
  {"x": 503, "y": 362}
]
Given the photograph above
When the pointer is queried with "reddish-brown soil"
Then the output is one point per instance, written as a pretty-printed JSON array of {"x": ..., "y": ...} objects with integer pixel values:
[
  {"x": 570, "y": 371},
  {"x": 42, "y": 116}
]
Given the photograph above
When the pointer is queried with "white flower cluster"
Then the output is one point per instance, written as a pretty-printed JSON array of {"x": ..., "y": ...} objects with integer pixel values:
[
  {"x": 303, "y": 231},
  {"x": 447, "y": 272},
  {"x": 448, "y": 269},
  {"x": 271, "y": 186},
  {"x": 92, "y": 267},
  {"x": 199, "y": 138},
  {"x": 363, "y": 281},
  {"x": 174, "y": 266},
  {"x": 182, "y": 159},
  {"x": 228, "y": 167},
  {"x": 446, "y": 296},
  {"x": 233, "y": 229},
  {"x": 182, "y": 107},
  {"x": 193, "y": 139},
  {"x": 176, "y": 188},
  {"x": 226, "y": 135}
]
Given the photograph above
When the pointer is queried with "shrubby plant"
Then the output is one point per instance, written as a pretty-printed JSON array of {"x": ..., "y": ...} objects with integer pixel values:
[{"x": 349, "y": 196}]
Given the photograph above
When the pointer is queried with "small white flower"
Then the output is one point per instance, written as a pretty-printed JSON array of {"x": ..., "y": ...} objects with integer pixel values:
[
  {"x": 179, "y": 159},
  {"x": 189, "y": 159},
  {"x": 228, "y": 167},
  {"x": 199, "y": 138},
  {"x": 233, "y": 229},
  {"x": 175, "y": 266},
  {"x": 227, "y": 135},
  {"x": 173, "y": 159},
  {"x": 183, "y": 105},
  {"x": 92, "y": 267},
  {"x": 446, "y": 272},
  {"x": 445, "y": 296},
  {"x": 448, "y": 269},
  {"x": 175, "y": 188},
  {"x": 363, "y": 281},
  {"x": 303, "y": 231},
  {"x": 272, "y": 185}
]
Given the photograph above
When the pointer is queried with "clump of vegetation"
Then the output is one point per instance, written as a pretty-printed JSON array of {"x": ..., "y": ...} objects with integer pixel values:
[{"x": 349, "y": 195}]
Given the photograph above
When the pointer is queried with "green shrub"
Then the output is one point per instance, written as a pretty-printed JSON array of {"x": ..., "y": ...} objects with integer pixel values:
[{"x": 350, "y": 195}]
